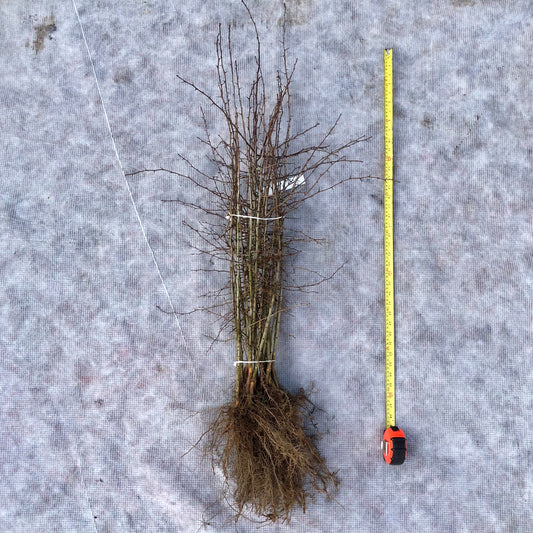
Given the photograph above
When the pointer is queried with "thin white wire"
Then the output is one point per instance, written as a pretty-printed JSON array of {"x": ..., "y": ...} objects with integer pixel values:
[{"x": 129, "y": 190}]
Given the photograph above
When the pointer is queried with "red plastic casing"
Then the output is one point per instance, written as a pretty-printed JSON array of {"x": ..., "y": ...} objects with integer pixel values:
[{"x": 393, "y": 446}]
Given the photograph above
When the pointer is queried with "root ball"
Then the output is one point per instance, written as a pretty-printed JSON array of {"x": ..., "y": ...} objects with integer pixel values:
[{"x": 260, "y": 444}]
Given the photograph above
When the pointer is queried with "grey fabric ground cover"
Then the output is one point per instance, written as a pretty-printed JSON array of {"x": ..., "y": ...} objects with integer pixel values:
[{"x": 103, "y": 393}]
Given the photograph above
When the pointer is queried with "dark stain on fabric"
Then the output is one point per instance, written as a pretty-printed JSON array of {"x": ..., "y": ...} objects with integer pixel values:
[
  {"x": 297, "y": 12},
  {"x": 427, "y": 122},
  {"x": 463, "y": 3},
  {"x": 123, "y": 76},
  {"x": 43, "y": 31},
  {"x": 378, "y": 198}
]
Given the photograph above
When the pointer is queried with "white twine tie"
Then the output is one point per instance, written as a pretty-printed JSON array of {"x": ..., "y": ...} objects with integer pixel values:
[{"x": 235, "y": 363}]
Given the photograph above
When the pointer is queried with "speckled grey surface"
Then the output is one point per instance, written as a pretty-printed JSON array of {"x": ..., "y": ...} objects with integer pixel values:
[{"x": 99, "y": 395}]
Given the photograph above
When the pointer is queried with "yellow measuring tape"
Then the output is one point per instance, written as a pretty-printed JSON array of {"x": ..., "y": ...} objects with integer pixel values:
[
  {"x": 388, "y": 242},
  {"x": 393, "y": 444}
]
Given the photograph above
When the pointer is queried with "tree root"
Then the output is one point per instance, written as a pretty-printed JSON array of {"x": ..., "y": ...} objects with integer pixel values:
[{"x": 260, "y": 444}]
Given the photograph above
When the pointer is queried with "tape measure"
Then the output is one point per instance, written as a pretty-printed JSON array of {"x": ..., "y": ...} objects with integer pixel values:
[{"x": 393, "y": 443}]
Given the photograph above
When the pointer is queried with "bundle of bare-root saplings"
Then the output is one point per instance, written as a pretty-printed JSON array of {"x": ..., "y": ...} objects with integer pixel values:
[{"x": 264, "y": 173}]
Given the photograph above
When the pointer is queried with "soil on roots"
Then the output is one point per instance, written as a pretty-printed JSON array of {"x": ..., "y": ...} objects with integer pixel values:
[{"x": 260, "y": 444}]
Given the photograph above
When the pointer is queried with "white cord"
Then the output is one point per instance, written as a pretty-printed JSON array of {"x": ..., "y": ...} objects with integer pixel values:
[
  {"x": 288, "y": 184},
  {"x": 130, "y": 193},
  {"x": 246, "y": 216},
  {"x": 235, "y": 363}
]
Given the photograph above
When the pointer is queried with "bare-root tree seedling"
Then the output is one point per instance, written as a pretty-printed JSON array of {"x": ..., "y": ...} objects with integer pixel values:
[{"x": 258, "y": 438}]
